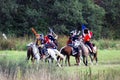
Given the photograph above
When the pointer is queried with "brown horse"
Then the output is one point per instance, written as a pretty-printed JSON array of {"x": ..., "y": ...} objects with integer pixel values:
[{"x": 67, "y": 51}]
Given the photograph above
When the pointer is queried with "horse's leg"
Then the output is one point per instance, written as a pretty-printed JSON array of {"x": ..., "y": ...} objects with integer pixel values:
[
  {"x": 28, "y": 55},
  {"x": 83, "y": 59},
  {"x": 86, "y": 61},
  {"x": 29, "y": 52},
  {"x": 78, "y": 57},
  {"x": 37, "y": 57},
  {"x": 91, "y": 59},
  {"x": 62, "y": 61},
  {"x": 53, "y": 55},
  {"x": 69, "y": 60},
  {"x": 66, "y": 60},
  {"x": 77, "y": 60},
  {"x": 95, "y": 57}
]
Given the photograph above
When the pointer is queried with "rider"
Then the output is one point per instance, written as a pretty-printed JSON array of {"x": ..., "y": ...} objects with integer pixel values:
[
  {"x": 50, "y": 40},
  {"x": 87, "y": 34},
  {"x": 39, "y": 43},
  {"x": 73, "y": 36}
]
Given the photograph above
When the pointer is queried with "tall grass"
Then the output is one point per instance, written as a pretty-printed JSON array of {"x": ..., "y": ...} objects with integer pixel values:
[
  {"x": 14, "y": 43},
  {"x": 24, "y": 71},
  {"x": 13, "y": 66},
  {"x": 107, "y": 44}
]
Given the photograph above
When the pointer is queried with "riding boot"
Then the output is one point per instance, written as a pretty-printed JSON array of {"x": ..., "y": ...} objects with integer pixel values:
[{"x": 74, "y": 51}]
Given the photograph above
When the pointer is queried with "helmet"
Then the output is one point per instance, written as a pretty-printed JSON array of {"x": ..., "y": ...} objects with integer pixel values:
[{"x": 86, "y": 31}]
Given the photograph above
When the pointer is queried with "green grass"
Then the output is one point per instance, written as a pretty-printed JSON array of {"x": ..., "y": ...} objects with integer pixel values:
[
  {"x": 104, "y": 56},
  {"x": 108, "y": 68},
  {"x": 109, "y": 56}
]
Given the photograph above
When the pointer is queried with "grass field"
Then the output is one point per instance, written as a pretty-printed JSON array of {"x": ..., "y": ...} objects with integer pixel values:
[{"x": 13, "y": 65}]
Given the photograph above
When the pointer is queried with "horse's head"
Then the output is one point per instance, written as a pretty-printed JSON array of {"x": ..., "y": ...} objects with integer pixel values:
[{"x": 30, "y": 44}]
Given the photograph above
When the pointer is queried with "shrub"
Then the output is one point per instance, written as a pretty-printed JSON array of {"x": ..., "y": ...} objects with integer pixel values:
[{"x": 14, "y": 43}]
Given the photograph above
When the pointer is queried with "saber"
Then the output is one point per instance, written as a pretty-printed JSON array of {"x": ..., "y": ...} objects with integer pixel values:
[
  {"x": 78, "y": 33},
  {"x": 55, "y": 35}
]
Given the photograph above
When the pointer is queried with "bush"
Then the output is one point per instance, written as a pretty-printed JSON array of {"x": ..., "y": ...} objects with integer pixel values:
[
  {"x": 107, "y": 44},
  {"x": 7, "y": 44},
  {"x": 14, "y": 43}
]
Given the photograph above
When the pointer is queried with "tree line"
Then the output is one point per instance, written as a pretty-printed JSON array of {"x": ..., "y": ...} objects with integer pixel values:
[{"x": 17, "y": 17}]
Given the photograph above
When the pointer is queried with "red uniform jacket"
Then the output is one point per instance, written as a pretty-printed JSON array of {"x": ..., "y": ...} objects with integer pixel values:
[{"x": 87, "y": 37}]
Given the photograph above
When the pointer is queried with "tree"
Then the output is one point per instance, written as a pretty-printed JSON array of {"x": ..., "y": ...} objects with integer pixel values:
[
  {"x": 94, "y": 16},
  {"x": 112, "y": 18}
]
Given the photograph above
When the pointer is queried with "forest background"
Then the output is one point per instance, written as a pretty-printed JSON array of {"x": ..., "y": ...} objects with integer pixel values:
[{"x": 17, "y": 17}]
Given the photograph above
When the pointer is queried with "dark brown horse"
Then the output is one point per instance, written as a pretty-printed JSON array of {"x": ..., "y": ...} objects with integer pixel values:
[
  {"x": 67, "y": 51},
  {"x": 30, "y": 54}
]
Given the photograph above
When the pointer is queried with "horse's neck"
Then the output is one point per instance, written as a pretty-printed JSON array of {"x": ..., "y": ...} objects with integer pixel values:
[
  {"x": 35, "y": 49},
  {"x": 83, "y": 46}
]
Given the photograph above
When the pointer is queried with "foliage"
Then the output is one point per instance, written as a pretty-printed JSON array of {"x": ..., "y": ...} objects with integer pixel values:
[
  {"x": 107, "y": 44},
  {"x": 112, "y": 18},
  {"x": 18, "y": 16},
  {"x": 14, "y": 43},
  {"x": 94, "y": 16}
]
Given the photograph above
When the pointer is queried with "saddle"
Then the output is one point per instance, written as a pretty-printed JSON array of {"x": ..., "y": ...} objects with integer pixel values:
[{"x": 74, "y": 50}]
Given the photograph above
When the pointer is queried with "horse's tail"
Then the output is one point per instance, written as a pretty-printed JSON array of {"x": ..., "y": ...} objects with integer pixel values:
[
  {"x": 94, "y": 49},
  {"x": 61, "y": 53},
  {"x": 61, "y": 50},
  {"x": 29, "y": 52}
]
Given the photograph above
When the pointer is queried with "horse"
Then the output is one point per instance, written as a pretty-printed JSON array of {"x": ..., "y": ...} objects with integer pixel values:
[
  {"x": 54, "y": 53},
  {"x": 33, "y": 52},
  {"x": 67, "y": 51},
  {"x": 49, "y": 54},
  {"x": 87, "y": 52},
  {"x": 94, "y": 53}
]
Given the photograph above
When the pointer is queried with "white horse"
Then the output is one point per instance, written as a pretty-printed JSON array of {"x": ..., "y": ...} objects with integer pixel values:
[
  {"x": 54, "y": 53},
  {"x": 33, "y": 52}
]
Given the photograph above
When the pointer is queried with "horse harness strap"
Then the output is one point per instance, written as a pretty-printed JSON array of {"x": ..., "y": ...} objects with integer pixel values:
[{"x": 89, "y": 48}]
